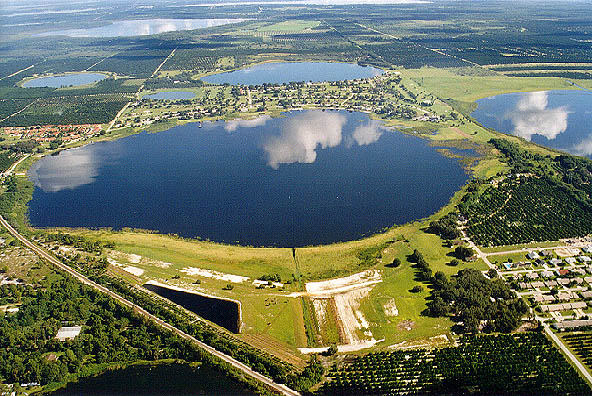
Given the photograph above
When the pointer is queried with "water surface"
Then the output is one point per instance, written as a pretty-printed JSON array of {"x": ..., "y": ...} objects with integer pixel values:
[
  {"x": 560, "y": 119},
  {"x": 222, "y": 312},
  {"x": 171, "y": 95},
  {"x": 143, "y": 27},
  {"x": 156, "y": 380},
  {"x": 310, "y": 178},
  {"x": 66, "y": 80},
  {"x": 285, "y": 72}
]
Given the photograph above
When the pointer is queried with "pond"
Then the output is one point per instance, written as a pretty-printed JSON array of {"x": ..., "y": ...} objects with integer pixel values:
[
  {"x": 558, "y": 119},
  {"x": 285, "y": 72},
  {"x": 66, "y": 80},
  {"x": 309, "y": 178},
  {"x": 170, "y": 95},
  {"x": 142, "y": 27},
  {"x": 223, "y": 312},
  {"x": 157, "y": 380}
]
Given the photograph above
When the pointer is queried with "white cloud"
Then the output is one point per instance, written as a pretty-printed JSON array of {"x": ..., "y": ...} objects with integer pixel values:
[
  {"x": 584, "y": 147},
  {"x": 532, "y": 117}
]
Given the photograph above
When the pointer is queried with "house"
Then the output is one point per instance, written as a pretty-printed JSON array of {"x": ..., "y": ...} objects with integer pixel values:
[
  {"x": 537, "y": 284},
  {"x": 556, "y": 261},
  {"x": 547, "y": 274},
  {"x": 547, "y": 253},
  {"x": 587, "y": 294},
  {"x": 541, "y": 298},
  {"x": 579, "y": 271},
  {"x": 524, "y": 285},
  {"x": 532, "y": 275},
  {"x": 588, "y": 279},
  {"x": 563, "y": 281},
  {"x": 566, "y": 296},
  {"x": 564, "y": 306},
  {"x": 570, "y": 260},
  {"x": 587, "y": 249},
  {"x": 562, "y": 272},
  {"x": 539, "y": 262},
  {"x": 585, "y": 259},
  {"x": 571, "y": 324},
  {"x": 68, "y": 333},
  {"x": 551, "y": 283},
  {"x": 532, "y": 255}
]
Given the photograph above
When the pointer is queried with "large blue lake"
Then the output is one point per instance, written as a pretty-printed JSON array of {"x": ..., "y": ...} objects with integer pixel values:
[
  {"x": 285, "y": 72},
  {"x": 559, "y": 119},
  {"x": 66, "y": 80},
  {"x": 310, "y": 178}
]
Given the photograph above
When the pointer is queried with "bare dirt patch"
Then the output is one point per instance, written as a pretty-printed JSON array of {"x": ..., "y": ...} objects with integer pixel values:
[{"x": 567, "y": 252}]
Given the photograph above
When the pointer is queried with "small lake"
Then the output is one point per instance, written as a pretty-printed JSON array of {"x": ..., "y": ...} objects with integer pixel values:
[
  {"x": 224, "y": 313},
  {"x": 157, "y": 380},
  {"x": 142, "y": 27},
  {"x": 285, "y": 72},
  {"x": 560, "y": 119},
  {"x": 66, "y": 80},
  {"x": 309, "y": 178},
  {"x": 171, "y": 95}
]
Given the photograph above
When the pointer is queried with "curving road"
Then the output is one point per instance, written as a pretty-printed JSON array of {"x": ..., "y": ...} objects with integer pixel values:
[{"x": 280, "y": 388}]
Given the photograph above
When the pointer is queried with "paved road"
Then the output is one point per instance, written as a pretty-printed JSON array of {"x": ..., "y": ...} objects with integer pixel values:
[{"x": 244, "y": 368}]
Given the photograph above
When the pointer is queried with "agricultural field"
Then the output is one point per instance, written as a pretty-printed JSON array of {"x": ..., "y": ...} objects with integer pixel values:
[
  {"x": 504, "y": 364},
  {"x": 581, "y": 344}
]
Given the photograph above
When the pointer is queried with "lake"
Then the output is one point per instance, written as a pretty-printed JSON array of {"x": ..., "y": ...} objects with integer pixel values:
[
  {"x": 285, "y": 72},
  {"x": 558, "y": 119},
  {"x": 156, "y": 380},
  {"x": 223, "y": 312},
  {"x": 170, "y": 95},
  {"x": 142, "y": 27},
  {"x": 66, "y": 80},
  {"x": 309, "y": 178}
]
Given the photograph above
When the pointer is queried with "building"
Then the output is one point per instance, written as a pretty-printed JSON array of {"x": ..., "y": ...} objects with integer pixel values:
[
  {"x": 68, "y": 333},
  {"x": 570, "y": 324},
  {"x": 564, "y": 306},
  {"x": 532, "y": 256},
  {"x": 556, "y": 261}
]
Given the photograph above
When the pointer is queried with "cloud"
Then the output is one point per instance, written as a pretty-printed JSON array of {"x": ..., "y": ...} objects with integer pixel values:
[
  {"x": 532, "y": 117},
  {"x": 584, "y": 147},
  {"x": 369, "y": 133},
  {"x": 300, "y": 137},
  {"x": 231, "y": 126},
  {"x": 68, "y": 170}
]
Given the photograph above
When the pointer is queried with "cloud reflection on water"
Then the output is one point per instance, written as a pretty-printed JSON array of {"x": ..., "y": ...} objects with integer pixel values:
[
  {"x": 70, "y": 169},
  {"x": 143, "y": 27},
  {"x": 302, "y": 134},
  {"x": 532, "y": 117},
  {"x": 231, "y": 126}
]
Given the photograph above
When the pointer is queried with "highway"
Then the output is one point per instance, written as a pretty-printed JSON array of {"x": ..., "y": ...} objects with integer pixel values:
[{"x": 280, "y": 388}]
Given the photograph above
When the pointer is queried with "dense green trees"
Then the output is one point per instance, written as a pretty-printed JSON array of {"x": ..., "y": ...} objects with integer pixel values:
[
  {"x": 550, "y": 200},
  {"x": 29, "y": 351},
  {"x": 473, "y": 299},
  {"x": 446, "y": 227}
]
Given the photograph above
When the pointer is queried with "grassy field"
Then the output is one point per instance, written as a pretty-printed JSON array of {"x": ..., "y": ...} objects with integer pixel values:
[{"x": 446, "y": 84}]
